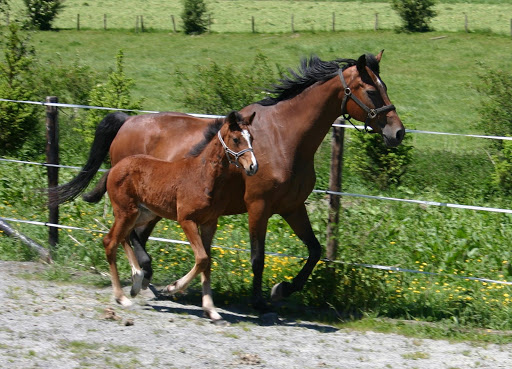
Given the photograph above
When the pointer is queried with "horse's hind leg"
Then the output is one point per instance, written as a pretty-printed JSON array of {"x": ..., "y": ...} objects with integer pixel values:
[
  {"x": 110, "y": 242},
  {"x": 139, "y": 237},
  {"x": 137, "y": 272},
  {"x": 300, "y": 224}
]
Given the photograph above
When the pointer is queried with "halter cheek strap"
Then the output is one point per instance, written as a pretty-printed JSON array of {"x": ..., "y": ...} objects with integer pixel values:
[
  {"x": 371, "y": 113},
  {"x": 229, "y": 152}
]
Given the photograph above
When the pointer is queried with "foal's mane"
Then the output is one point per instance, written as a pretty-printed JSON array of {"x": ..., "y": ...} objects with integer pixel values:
[
  {"x": 208, "y": 134},
  {"x": 310, "y": 71}
]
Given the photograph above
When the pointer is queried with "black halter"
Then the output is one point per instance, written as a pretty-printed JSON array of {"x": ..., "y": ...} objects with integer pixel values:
[{"x": 371, "y": 113}]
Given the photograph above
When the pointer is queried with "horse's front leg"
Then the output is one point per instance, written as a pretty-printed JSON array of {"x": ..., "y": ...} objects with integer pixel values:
[
  {"x": 207, "y": 233},
  {"x": 258, "y": 221},
  {"x": 300, "y": 224},
  {"x": 191, "y": 230}
]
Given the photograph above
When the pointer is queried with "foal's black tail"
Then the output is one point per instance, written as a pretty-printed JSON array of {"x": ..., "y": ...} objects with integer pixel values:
[{"x": 105, "y": 134}]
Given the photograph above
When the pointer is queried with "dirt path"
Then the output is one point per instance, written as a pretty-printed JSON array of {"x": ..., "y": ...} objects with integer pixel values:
[{"x": 52, "y": 325}]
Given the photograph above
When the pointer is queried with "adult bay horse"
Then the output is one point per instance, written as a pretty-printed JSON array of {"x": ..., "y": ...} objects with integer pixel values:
[
  {"x": 289, "y": 125},
  {"x": 189, "y": 190}
]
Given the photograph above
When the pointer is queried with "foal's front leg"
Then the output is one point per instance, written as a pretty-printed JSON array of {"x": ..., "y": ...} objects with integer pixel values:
[
  {"x": 191, "y": 230},
  {"x": 207, "y": 233}
]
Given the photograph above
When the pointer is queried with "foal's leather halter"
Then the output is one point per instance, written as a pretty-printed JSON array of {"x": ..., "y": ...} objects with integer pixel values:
[
  {"x": 228, "y": 151},
  {"x": 371, "y": 113}
]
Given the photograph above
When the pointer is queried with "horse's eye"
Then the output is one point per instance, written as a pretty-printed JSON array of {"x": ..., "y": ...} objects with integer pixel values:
[
  {"x": 236, "y": 141},
  {"x": 372, "y": 93}
]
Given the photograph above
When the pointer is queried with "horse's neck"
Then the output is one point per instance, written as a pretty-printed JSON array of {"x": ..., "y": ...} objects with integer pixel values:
[
  {"x": 307, "y": 118},
  {"x": 213, "y": 159}
]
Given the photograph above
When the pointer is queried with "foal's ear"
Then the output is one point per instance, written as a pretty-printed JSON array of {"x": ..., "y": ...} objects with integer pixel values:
[{"x": 233, "y": 119}]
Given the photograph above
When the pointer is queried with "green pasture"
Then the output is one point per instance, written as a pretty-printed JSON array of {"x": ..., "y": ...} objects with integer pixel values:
[
  {"x": 431, "y": 79},
  {"x": 276, "y": 16}
]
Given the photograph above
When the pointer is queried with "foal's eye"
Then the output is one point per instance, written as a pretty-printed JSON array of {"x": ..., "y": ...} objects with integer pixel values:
[{"x": 236, "y": 141}]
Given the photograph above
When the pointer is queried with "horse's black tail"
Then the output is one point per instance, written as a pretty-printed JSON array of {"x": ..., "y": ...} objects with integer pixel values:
[{"x": 105, "y": 134}]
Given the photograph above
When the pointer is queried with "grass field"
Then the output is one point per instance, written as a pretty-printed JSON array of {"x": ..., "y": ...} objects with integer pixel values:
[
  {"x": 430, "y": 80},
  {"x": 275, "y": 16}
]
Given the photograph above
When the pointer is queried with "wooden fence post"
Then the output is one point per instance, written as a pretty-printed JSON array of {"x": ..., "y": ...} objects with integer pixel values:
[
  {"x": 376, "y": 26},
  {"x": 333, "y": 21},
  {"x": 52, "y": 157},
  {"x": 78, "y": 22},
  {"x": 252, "y": 24},
  {"x": 335, "y": 180},
  {"x": 105, "y": 22},
  {"x": 293, "y": 25},
  {"x": 173, "y": 24},
  {"x": 466, "y": 24}
]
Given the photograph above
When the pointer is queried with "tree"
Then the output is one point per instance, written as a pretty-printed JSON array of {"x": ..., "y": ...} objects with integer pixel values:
[
  {"x": 41, "y": 13},
  {"x": 17, "y": 121},
  {"x": 194, "y": 17},
  {"x": 415, "y": 14}
]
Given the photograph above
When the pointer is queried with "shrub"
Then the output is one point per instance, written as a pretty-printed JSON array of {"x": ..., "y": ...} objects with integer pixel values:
[
  {"x": 115, "y": 93},
  {"x": 194, "y": 17},
  {"x": 377, "y": 163},
  {"x": 214, "y": 89},
  {"x": 17, "y": 121},
  {"x": 415, "y": 14},
  {"x": 41, "y": 13},
  {"x": 496, "y": 120}
]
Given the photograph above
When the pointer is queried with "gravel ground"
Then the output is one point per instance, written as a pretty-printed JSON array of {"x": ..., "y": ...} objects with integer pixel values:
[{"x": 54, "y": 325}]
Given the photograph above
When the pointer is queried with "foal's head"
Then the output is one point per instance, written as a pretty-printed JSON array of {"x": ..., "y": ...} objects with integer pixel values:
[{"x": 237, "y": 141}]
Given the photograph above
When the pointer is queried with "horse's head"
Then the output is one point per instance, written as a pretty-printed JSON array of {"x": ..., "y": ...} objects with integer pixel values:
[
  {"x": 366, "y": 99},
  {"x": 237, "y": 142}
]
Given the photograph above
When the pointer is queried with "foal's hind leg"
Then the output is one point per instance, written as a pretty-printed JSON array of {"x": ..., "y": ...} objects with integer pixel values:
[{"x": 110, "y": 242}]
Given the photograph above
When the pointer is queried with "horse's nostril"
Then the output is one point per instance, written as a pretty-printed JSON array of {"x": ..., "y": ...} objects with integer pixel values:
[{"x": 400, "y": 134}]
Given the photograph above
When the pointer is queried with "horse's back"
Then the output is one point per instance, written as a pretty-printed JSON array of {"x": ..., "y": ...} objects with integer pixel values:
[{"x": 166, "y": 136}]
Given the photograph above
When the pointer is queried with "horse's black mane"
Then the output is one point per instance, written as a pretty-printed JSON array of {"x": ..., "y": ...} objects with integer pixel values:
[
  {"x": 310, "y": 71},
  {"x": 209, "y": 133}
]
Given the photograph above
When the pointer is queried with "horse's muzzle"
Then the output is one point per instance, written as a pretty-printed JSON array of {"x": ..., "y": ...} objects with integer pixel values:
[{"x": 253, "y": 168}]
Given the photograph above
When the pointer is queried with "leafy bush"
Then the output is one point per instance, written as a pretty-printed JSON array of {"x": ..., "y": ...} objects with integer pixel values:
[
  {"x": 17, "y": 121},
  {"x": 41, "y": 13},
  {"x": 194, "y": 17},
  {"x": 415, "y": 14},
  {"x": 214, "y": 89},
  {"x": 115, "y": 93},
  {"x": 496, "y": 119},
  {"x": 377, "y": 163}
]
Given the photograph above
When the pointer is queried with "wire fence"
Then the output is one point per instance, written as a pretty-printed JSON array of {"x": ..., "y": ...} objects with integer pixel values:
[{"x": 382, "y": 198}]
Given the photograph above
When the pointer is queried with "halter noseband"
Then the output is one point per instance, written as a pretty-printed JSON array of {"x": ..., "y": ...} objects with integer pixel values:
[
  {"x": 229, "y": 152},
  {"x": 371, "y": 113}
]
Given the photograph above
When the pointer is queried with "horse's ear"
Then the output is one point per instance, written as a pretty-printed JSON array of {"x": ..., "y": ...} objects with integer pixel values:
[
  {"x": 361, "y": 65},
  {"x": 251, "y": 118},
  {"x": 379, "y": 55},
  {"x": 232, "y": 117}
]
